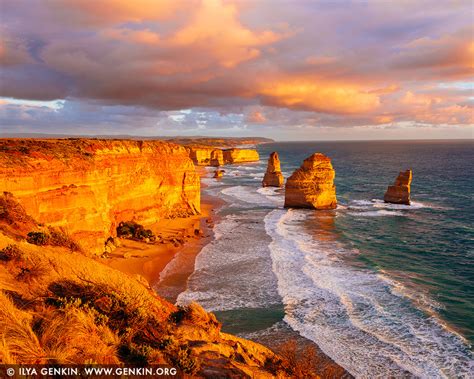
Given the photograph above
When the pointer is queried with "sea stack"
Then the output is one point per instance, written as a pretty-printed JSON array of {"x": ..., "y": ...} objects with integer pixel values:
[
  {"x": 217, "y": 158},
  {"x": 218, "y": 173},
  {"x": 273, "y": 177},
  {"x": 399, "y": 193},
  {"x": 312, "y": 185}
]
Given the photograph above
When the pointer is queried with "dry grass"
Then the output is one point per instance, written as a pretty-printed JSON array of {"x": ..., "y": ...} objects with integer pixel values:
[
  {"x": 20, "y": 344},
  {"x": 299, "y": 363},
  {"x": 72, "y": 335},
  {"x": 77, "y": 310}
]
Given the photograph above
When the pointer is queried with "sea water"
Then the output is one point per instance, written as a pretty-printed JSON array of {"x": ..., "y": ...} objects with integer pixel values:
[{"x": 383, "y": 289}]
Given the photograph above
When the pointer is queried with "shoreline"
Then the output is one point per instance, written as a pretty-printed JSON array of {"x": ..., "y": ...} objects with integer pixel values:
[
  {"x": 148, "y": 260},
  {"x": 152, "y": 261}
]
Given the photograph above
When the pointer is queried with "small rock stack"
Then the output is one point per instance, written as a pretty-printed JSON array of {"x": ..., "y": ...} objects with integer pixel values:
[
  {"x": 273, "y": 177},
  {"x": 399, "y": 193},
  {"x": 218, "y": 173}
]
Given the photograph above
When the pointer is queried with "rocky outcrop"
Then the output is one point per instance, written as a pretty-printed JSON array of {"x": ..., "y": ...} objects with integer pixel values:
[
  {"x": 218, "y": 173},
  {"x": 232, "y": 156},
  {"x": 87, "y": 187},
  {"x": 206, "y": 156},
  {"x": 217, "y": 158},
  {"x": 102, "y": 302},
  {"x": 211, "y": 156},
  {"x": 273, "y": 177},
  {"x": 312, "y": 185},
  {"x": 399, "y": 193}
]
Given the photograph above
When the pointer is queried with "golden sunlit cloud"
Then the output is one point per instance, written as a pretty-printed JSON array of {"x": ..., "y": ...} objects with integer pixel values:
[
  {"x": 319, "y": 97},
  {"x": 216, "y": 29},
  {"x": 269, "y": 63},
  {"x": 256, "y": 117},
  {"x": 103, "y": 12}
]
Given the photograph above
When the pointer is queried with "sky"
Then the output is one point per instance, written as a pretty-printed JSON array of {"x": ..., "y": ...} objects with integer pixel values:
[{"x": 288, "y": 70}]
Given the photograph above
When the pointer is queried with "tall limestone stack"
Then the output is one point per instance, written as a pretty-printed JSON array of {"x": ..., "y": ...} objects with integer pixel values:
[
  {"x": 312, "y": 185},
  {"x": 399, "y": 193},
  {"x": 273, "y": 177},
  {"x": 217, "y": 158}
]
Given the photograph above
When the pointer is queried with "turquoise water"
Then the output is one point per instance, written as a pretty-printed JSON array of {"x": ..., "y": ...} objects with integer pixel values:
[
  {"x": 432, "y": 248},
  {"x": 384, "y": 290}
]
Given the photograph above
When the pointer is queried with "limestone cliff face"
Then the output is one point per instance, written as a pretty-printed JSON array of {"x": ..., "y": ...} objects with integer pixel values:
[
  {"x": 273, "y": 177},
  {"x": 89, "y": 186},
  {"x": 399, "y": 193},
  {"x": 232, "y": 156},
  {"x": 312, "y": 185},
  {"x": 211, "y": 156},
  {"x": 206, "y": 156}
]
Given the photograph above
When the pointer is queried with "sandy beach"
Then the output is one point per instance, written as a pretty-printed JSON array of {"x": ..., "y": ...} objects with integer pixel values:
[{"x": 177, "y": 236}]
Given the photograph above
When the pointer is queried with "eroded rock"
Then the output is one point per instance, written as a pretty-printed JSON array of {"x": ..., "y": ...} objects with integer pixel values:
[
  {"x": 312, "y": 185},
  {"x": 273, "y": 177},
  {"x": 399, "y": 192}
]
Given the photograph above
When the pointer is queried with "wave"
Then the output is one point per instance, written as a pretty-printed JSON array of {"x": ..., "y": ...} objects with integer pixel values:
[
  {"x": 378, "y": 213},
  {"x": 233, "y": 271},
  {"x": 353, "y": 314},
  {"x": 252, "y": 195}
]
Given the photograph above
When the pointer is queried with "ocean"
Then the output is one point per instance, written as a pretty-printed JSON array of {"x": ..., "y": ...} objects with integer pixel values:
[{"x": 384, "y": 290}]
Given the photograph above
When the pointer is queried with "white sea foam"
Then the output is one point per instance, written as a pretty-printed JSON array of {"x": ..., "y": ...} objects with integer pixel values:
[
  {"x": 378, "y": 213},
  {"x": 250, "y": 195},
  {"x": 234, "y": 270},
  {"x": 352, "y": 314},
  {"x": 378, "y": 208}
]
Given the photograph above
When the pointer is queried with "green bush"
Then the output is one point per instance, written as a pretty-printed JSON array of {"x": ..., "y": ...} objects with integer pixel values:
[
  {"x": 53, "y": 237},
  {"x": 37, "y": 238},
  {"x": 132, "y": 230}
]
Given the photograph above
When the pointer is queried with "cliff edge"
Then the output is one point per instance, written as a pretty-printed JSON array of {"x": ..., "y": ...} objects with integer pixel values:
[{"x": 88, "y": 186}]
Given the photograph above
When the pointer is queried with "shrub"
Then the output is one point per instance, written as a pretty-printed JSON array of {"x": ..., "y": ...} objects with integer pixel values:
[
  {"x": 299, "y": 362},
  {"x": 132, "y": 230},
  {"x": 11, "y": 252},
  {"x": 54, "y": 237},
  {"x": 60, "y": 238},
  {"x": 194, "y": 314},
  {"x": 31, "y": 270},
  {"x": 181, "y": 357},
  {"x": 37, "y": 238}
]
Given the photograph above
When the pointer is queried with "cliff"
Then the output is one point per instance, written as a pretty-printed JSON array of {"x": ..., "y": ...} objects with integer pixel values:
[
  {"x": 399, "y": 193},
  {"x": 273, "y": 176},
  {"x": 232, "y": 156},
  {"x": 312, "y": 185},
  {"x": 223, "y": 142},
  {"x": 87, "y": 187},
  {"x": 205, "y": 156},
  {"x": 210, "y": 156}
]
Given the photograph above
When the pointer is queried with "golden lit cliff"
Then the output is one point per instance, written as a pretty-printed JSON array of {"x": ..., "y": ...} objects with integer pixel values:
[{"x": 88, "y": 186}]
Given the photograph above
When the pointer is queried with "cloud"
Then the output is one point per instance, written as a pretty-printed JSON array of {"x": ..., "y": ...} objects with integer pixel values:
[
  {"x": 106, "y": 12},
  {"x": 215, "y": 29},
  {"x": 305, "y": 64},
  {"x": 448, "y": 56},
  {"x": 255, "y": 117},
  {"x": 319, "y": 97}
]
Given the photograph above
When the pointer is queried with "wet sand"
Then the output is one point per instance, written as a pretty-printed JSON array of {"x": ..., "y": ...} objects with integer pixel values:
[{"x": 149, "y": 259}]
